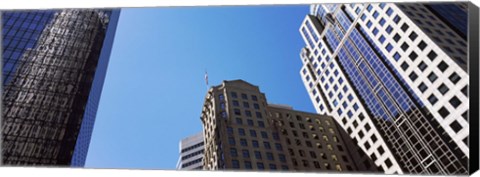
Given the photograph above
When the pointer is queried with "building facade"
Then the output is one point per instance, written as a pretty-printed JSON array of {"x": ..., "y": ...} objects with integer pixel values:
[
  {"x": 394, "y": 76},
  {"x": 191, "y": 152},
  {"x": 243, "y": 132},
  {"x": 54, "y": 64}
]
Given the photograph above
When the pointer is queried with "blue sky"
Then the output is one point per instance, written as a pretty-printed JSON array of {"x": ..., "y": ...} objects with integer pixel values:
[{"x": 154, "y": 88}]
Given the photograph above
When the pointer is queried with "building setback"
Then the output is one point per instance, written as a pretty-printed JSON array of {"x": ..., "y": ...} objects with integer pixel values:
[
  {"x": 394, "y": 77},
  {"x": 191, "y": 152},
  {"x": 243, "y": 132},
  {"x": 54, "y": 66}
]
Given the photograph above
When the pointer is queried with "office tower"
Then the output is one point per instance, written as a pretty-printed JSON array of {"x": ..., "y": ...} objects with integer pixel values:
[
  {"x": 394, "y": 76},
  {"x": 243, "y": 132},
  {"x": 54, "y": 67},
  {"x": 191, "y": 152}
]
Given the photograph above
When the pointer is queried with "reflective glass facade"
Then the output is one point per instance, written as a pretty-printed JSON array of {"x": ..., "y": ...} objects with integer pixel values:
[{"x": 54, "y": 67}]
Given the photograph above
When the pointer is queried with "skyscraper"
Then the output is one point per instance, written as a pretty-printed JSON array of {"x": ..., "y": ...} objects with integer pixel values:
[
  {"x": 395, "y": 77},
  {"x": 54, "y": 66},
  {"x": 243, "y": 132},
  {"x": 191, "y": 152}
]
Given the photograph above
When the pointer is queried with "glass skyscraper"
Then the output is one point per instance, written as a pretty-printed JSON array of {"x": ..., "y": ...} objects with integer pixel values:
[
  {"x": 54, "y": 65},
  {"x": 395, "y": 77}
]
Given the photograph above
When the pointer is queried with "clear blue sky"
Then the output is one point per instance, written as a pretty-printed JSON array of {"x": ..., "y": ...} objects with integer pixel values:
[{"x": 154, "y": 88}]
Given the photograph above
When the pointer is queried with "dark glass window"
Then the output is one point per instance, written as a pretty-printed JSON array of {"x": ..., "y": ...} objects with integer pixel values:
[
  {"x": 456, "y": 126},
  {"x": 396, "y": 38},
  {"x": 404, "y": 46},
  {"x": 422, "y": 66},
  {"x": 432, "y": 99},
  {"x": 432, "y": 55},
  {"x": 413, "y": 56},
  {"x": 233, "y": 152},
  {"x": 413, "y": 36},
  {"x": 234, "y": 95},
  {"x": 454, "y": 78},
  {"x": 422, "y": 87},
  {"x": 254, "y": 98},
  {"x": 443, "y": 112},
  {"x": 404, "y": 27},
  {"x": 422, "y": 45},
  {"x": 245, "y": 153},
  {"x": 443, "y": 89},
  {"x": 404, "y": 65},
  {"x": 258, "y": 155},
  {"x": 442, "y": 66},
  {"x": 455, "y": 102},
  {"x": 235, "y": 164},
  {"x": 413, "y": 76},
  {"x": 432, "y": 77}
]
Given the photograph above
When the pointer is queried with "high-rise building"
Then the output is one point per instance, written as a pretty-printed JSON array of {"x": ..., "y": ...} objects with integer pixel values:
[
  {"x": 243, "y": 132},
  {"x": 54, "y": 65},
  {"x": 395, "y": 77},
  {"x": 191, "y": 153}
]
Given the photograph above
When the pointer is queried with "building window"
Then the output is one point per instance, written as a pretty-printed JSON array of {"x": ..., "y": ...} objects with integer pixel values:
[
  {"x": 258, "y": 114},
  {"x": 389, "y": 47},
  {"x": 381, "y": 39},
  {"x": 258, "y": 155},
  {"x": 282, "y": 158},
  {"x": 413, "y": 56},
  {"x": 422, "y": 87},
  {"x": 235, "y": 164},
  {"x": 237, "y": 112},
  {"x": 444, "y": 112},
  {"x": 248, "y": 165},
  {"x": 404, "y": 46},
  {"x": 266, "y": 145},
  {"x": 245, "y": 153},
  {"x": 278, "y": 146},
  {"x": 254, "y": 98},
  {"x": 432, "y": 77},
  {"x": 233, "y": 152},
  {"x": 396, "y": 38},
  {"x": 255, "y": 143},
  {"x": 388, "y": 162},
  {"x": 432, "y": 55},
  {"x": 243, "y": 142},
  {"x": 231, "y": 141},
  {"x": 235, "y": 103},
  {"x": 256, "y": 106},
  {"x": 238, "y": 120},
  {"x": 234, "y": 95},
  {"x": 230, "y": 130},
  {"x": 381, "y": 150},
  {"x": 455, "y": 102},
  {"x": 456, "y": 126},
  {"x": 246, "y": 105},
  {"x": 253, "y": 133},
  {"x": 264, "y": 134},
  {"x": 273, "y": 167},
  {"x": 221, "y": 97},
  {"x": 454, "y": 78},
  {"x": 250, "y": 122},
  {"x": 422, "y": 66},
  {"x": 260, "y": 166},
  {"x": 270, "y": 156},
  {"x": 404, "y": 27},
  {"x": 396, "y": 56},
  {"x": 422, "y": 45},
  {"x": 443, "y": 89},
  {"x": 413, "y": 76},
  {"x": 404, "y": 66},
  {"x": 413, "y": 36},
  {"x": 442, "y": 66},
  {"x": 261, "y": 124},
  {"x": 244, "y": 96},
  {"x": 432, "y": 99}
]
